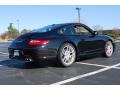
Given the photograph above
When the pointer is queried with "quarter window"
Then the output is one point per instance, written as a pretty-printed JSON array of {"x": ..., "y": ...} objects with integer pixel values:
[
  {"x": 67, "y": 30},
  {"x": 79, "y": 30}
]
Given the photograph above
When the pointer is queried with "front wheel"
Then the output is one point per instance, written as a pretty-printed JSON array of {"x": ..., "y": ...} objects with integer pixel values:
[
  {"x": 66, "y": 55},
  {"x": 108, "y": 50}
]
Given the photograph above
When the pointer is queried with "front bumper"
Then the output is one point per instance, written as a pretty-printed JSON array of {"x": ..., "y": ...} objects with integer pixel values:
[{"x": 32, "y": 54}]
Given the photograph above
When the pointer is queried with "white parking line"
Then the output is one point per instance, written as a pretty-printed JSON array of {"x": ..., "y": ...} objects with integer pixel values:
[
  {"x": 4, "y": 53},
  {"x": 116, "y": 67},
  {"x": 96, "y": 65},
  {"x": 92, "y": 64},
  {"x": 85, "y": 75}
]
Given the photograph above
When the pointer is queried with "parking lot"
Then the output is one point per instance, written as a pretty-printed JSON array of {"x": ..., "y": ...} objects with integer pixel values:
[{"x": 91, "y": 71}]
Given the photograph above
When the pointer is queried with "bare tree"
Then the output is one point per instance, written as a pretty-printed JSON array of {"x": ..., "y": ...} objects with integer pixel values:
[{"x": 97, "y": 27}]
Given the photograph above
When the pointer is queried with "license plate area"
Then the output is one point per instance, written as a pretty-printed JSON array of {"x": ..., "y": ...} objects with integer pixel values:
[{"x": 16, "y": 53}]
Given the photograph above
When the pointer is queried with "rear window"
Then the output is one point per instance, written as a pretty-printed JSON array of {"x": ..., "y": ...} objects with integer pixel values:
[{"x": 46, "y": 28}]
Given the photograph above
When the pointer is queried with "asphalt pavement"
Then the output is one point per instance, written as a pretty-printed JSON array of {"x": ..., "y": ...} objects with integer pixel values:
[{"x": 90, "y": 71}]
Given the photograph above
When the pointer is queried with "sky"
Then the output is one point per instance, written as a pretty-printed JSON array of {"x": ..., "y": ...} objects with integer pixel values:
[{"x": 33, "y": 17}]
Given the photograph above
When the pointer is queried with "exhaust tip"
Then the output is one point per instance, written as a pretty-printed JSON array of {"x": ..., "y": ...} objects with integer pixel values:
[{"x": 29, "y": 59}]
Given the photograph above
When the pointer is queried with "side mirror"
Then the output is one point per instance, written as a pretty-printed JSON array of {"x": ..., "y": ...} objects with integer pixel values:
[{"x": 95, "y": 33}]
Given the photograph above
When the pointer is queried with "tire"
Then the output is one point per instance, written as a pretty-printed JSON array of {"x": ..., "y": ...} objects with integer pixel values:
[
  {"x": 108, "y": 49},
  {"x": 66, "y": 55}
]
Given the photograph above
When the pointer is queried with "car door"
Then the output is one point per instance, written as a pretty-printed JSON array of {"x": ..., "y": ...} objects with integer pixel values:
[{"x": 88, "y": 42}]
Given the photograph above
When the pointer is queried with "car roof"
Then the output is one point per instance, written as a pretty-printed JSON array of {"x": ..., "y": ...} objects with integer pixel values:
[{"x": 63, "y": 24}]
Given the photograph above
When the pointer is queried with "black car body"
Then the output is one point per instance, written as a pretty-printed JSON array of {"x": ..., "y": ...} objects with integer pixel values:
[{"x": 45, "y": 43}]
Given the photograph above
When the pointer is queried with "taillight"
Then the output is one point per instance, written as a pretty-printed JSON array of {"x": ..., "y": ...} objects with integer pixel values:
[{"x": 38, "y": 42}]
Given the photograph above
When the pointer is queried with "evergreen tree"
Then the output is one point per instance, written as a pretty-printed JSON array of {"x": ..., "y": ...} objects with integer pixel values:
[{"x": 13, "y": 32}]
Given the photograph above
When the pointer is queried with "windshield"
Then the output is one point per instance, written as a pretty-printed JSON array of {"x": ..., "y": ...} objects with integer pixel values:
[{"x": 46, "y": 28}]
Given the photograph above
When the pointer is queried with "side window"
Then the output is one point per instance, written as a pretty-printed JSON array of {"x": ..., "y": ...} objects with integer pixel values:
[
  {"x": 67, "y": 30},
  {"x": 79, "y": 30}
]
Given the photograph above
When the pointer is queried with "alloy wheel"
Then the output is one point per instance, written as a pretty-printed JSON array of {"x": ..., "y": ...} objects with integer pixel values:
[
  {"x": 108, "y": 48},
  {"x": 68, "y": 55}
]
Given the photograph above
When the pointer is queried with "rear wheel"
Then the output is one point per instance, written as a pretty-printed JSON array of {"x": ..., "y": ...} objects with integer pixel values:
[
  {"x": 66, "y": 55},
  {"x": 108, "y": 50}
]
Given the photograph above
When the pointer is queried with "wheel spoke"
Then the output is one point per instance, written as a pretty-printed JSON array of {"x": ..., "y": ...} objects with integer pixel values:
[
  {"x": 68, "y": 48},
  {"x": 63, "y": 52},
  {"x": 64, "y": 59}
]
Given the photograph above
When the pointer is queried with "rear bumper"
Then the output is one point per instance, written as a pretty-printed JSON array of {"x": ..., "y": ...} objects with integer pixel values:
[{"x": 32, "y": 53}]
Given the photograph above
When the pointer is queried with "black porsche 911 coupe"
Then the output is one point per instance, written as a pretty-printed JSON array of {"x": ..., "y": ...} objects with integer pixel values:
[{"x": 65, "y": 42}]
